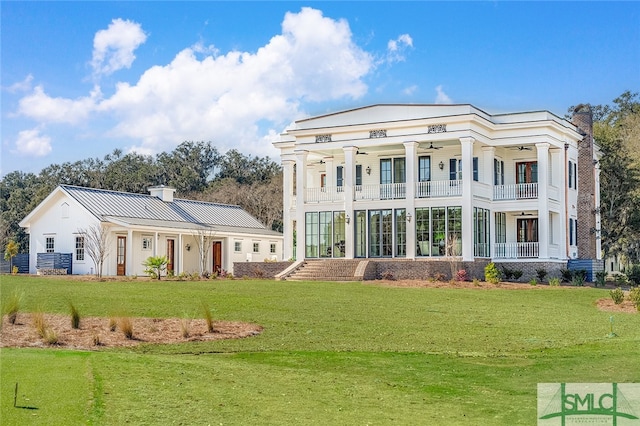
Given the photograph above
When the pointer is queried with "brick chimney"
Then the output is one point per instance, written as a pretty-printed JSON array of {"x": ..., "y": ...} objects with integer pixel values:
[
  {"x": 163, "y": 192},
  {"x": 583, "y": 119}
]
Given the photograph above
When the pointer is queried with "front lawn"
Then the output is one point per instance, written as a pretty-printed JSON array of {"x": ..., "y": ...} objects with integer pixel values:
[{"x": 330, "y": 353}]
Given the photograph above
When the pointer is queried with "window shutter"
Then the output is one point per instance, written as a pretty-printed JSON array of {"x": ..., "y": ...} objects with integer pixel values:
[{"x": 452, "y": 169}]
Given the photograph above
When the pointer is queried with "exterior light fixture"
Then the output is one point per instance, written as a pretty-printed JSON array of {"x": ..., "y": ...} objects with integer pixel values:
[
  {"x": 368, "y": 170},
  {"x": 347, "y": 219},
  {"x": 441, "y": 165},
  {"x": 408, "y": 217},
  {"x": 188, "y": 247}
]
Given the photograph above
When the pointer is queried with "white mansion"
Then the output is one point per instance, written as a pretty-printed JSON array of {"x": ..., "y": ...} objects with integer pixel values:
[{"x": 435, "y": 181}]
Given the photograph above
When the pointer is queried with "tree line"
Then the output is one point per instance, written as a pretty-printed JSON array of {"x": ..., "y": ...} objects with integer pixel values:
[{"x": 197, "y": 170}]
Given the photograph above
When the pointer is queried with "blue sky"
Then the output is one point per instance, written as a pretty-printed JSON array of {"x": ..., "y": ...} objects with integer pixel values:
[{"x": 80, "y": 79}]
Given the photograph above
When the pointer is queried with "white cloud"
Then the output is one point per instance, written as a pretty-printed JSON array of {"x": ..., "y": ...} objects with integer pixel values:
[
  {"x": 32, "y": 143},
  {"x": 397, "y": 47},
  {"x": 21, "y": 86},
  {"x": 44, "y": 108},
  {"x": 441, "y": 97},
  {"x": 410, "y": 90},
  {"x": 113, "y": 48},
  {"x": 234, "y": 99}
]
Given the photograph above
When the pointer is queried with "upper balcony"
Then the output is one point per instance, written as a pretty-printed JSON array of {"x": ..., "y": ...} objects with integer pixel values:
[{"x": 430, "y": 189}]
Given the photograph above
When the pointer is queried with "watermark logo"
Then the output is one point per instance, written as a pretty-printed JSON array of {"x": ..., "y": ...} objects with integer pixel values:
[{"x": 616, "y": 404}]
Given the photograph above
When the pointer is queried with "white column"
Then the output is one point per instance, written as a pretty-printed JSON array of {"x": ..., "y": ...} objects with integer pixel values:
[
  {"x": 301, "y": 186},
  {"x": 557, "y": 179},
  {"x": 489, "y": 154},
  {"x": 129, "y": 256},
  {"x": 330, "y": 172},
  {"x": 543, "y": 200},
  {"x": 287, "y": 221},
  {"x": 180, "y": 262},
  {"x": 349, "y": 185},
  {"x": 411, "y": 160},
  {"x": 598, "y": 218},
  {"x": 467, "y": 198},
  {"x": 156, "y": 240}
]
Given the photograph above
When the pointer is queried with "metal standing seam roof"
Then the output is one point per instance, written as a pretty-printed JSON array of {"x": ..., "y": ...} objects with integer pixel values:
[{"x": 104, "y": 203}]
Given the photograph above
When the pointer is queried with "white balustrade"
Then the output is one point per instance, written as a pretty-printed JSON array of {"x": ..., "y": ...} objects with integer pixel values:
[
  {"x": 517, "y": 191},
  {"x": 515, "y": 250}
]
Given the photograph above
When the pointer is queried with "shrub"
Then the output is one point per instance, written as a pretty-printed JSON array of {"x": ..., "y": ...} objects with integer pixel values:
[
  {"x": 578, "y": 280},
  {"x": 476, "y": 282},
  {"x": 617, "y": 295},
  {"x": 461, "y": 275},
  {"x": 14, "y": 270},
  {"x": 75, "y": 316},
  {"x": 50, "y": 337},
  {"x": 554, "y": 282},
  {"x": 541, "y": 273},
  {"x": 533, "y": 281},
  {"x": 634, "y": 296},
  {"x": 492, "y": 273},
  {"x": 601, "y": 278},
  {"x": 96, "y": 340},
  {"x": 206, "y": 275},
  {"x": 517, "y": 274},
  {"x": 633, "y": 274},
  {"x": 620, "y": 279},
  {"x": 258, "y": 272},
  {"x": 566, "y": 275},
  {"x": 507, "y": 273}
]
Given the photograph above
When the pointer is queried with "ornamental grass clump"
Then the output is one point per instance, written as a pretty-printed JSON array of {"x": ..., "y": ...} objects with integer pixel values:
[
  {"x": 554, "y": 282},
  {"x": 75, "y": 316},
  {"x": 12, "y": 307},
  {"x": 207, "y": 316},
  {"x": 126, "y": 326}
]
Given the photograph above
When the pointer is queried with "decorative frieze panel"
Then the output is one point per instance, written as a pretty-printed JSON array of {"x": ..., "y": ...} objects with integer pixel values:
[
  {"x": 437, "y": 128},
  {"x": 377, "y": 134},
  {"x": 323, "y": 138}
]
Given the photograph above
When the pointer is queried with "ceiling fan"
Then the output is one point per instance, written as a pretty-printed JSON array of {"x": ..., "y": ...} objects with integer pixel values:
[
  {"x": 522, "y": 148},
  {"x": 361, "y": 153},
  {"x": 433, "y": 147}
]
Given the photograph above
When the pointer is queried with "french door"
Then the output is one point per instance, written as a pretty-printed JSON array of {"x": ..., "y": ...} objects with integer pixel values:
[{"x": 121, "y": 256}]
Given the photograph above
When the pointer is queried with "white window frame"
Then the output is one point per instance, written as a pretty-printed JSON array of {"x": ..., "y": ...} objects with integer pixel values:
[
  {"x": 237, "y": 246},
  {"x": 273, "y": 248},
  {"x": 50, "y": 248},
  {"x": 256, "y": 246},
  {"x": 80, "y": 248},
  {"x": 147, "y": 243}
]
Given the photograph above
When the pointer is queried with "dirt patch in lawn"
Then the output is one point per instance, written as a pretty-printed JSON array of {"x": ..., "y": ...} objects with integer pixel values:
[
  {"x": 607, "y": 304},
  {"x": 96, "y": 333}
]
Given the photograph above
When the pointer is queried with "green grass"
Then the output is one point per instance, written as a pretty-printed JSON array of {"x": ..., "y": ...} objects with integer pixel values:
[{"x": 330, "y": 353}]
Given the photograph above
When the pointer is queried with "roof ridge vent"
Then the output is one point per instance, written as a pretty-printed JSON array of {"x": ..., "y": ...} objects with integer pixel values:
[{"x": 165, "y": 193}]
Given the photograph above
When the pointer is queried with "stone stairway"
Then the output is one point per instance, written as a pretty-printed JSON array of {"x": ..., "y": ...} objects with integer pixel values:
[{"x": 327, "y": 270}]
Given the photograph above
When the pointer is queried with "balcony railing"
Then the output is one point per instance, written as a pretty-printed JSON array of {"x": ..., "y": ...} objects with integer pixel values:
[
  {"x": 324, "y": 194},
  {"x": 387, "y": 191},
  {"x": 515, "y": 250},
  {"x": 439, "y": 188},
  {"x": 430, "y": 189},
  {"x": 518, "y": 191}
]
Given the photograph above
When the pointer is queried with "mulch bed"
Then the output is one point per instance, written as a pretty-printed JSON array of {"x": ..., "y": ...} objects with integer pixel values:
[{"x": 95, "y": 333}]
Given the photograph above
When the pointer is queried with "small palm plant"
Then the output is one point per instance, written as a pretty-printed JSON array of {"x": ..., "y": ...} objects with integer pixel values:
[{"x": 155, "y": 265}]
